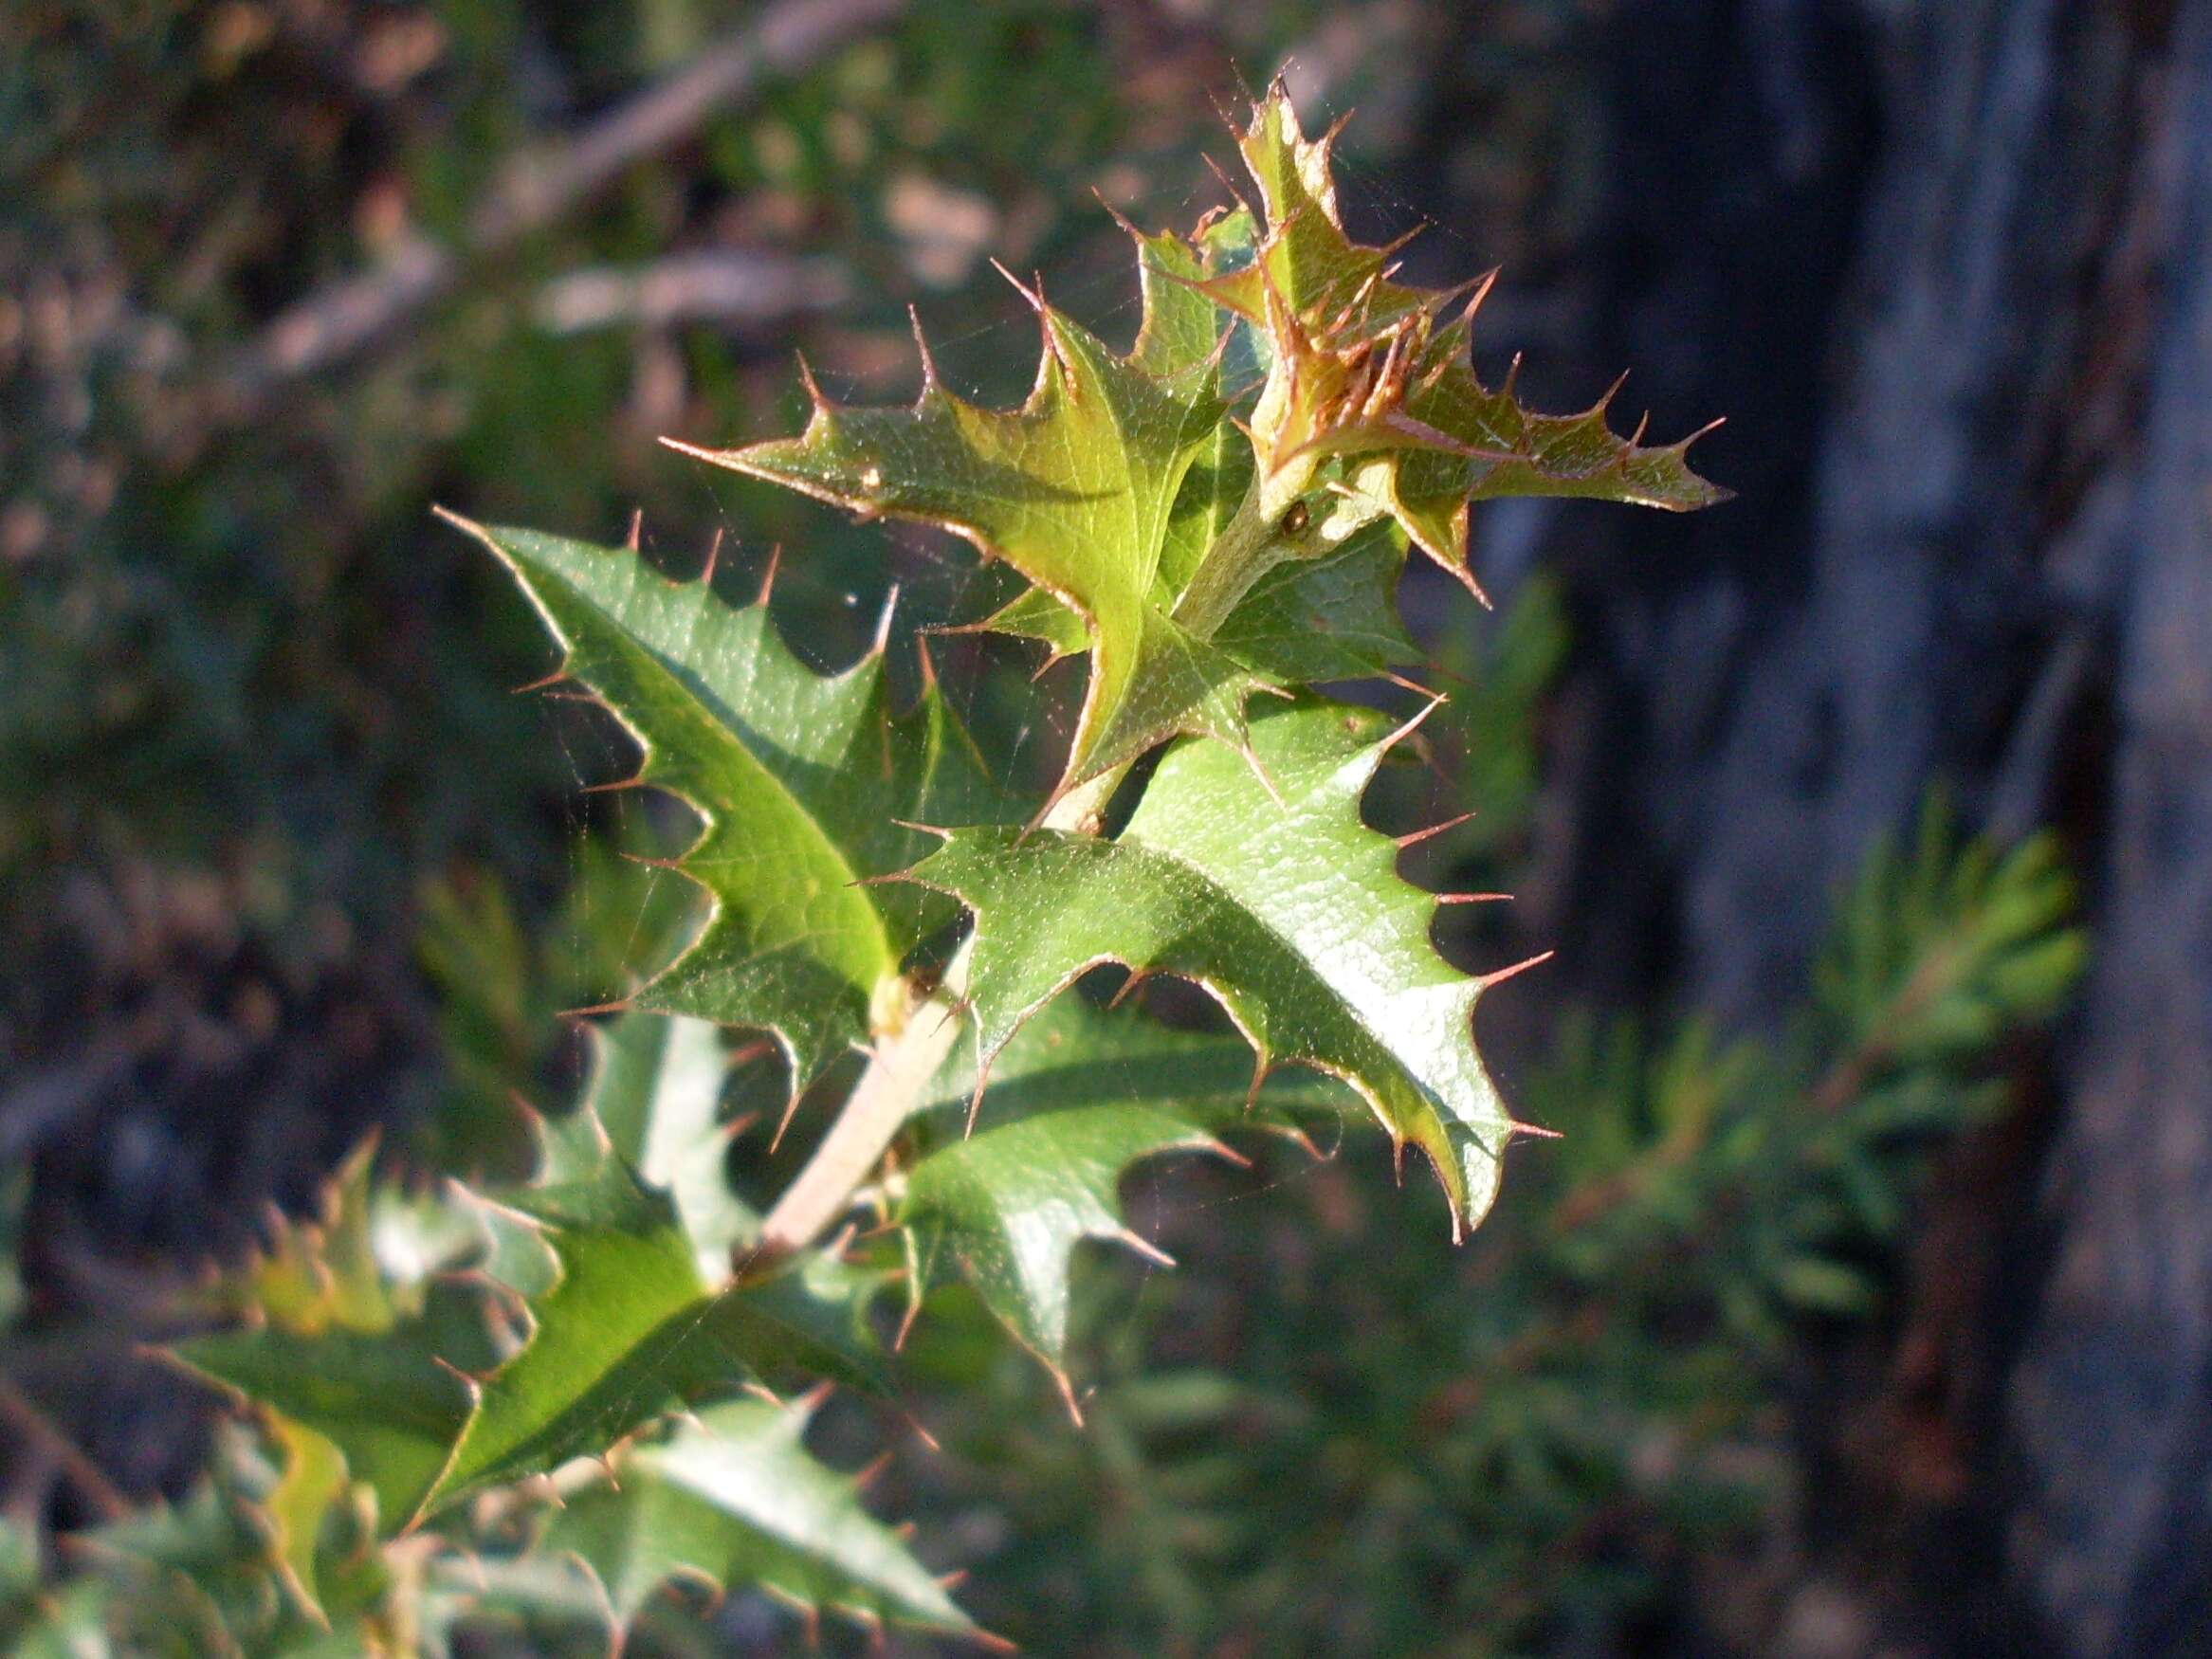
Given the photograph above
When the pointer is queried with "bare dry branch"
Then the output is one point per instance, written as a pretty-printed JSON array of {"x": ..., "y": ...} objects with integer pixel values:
[
  {"x": 724, "y": 286},
  {"x": 536, "y": 189}
]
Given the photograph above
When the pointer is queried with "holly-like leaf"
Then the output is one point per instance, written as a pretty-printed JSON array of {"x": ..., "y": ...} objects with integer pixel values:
[
  {"x": 802, "y": 780},
  {"x": 332, "y": 1348},
  {"x": 633, "y": 1326},
  {"x": 629, "y": 1314},
  {"x": 1303, "y": 622},
  {"x": 1364, "y": 368},
  {"x": 1294, "y": 258},
  {"x": 1284, "y": 907},
  {"x": 1075, "y": 1098},
  {"x": 1075, "y": 489},
  {"x": 313, "y": 1478},
  {"x": 381, "y": 1398},
  {"x": 1334, "y": 618},
  {"x": 1454, "y": 442},
  {"x": 734, "y": 1497},
  {"x": 655, "y": 1088},
  {"x": 314, "y": 1271}
]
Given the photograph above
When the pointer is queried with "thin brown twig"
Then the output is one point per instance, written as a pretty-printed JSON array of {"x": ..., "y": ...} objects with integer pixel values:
[
  {"x": 536, "y": 189},
  {"x": 41, "y": 1430},
  {"x": 740, "y": 285},
  {"x": 1856, "y": 1066}
]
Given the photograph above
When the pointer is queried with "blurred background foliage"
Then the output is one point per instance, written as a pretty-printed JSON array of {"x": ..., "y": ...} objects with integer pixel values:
[{"x": 283, "y": 861}]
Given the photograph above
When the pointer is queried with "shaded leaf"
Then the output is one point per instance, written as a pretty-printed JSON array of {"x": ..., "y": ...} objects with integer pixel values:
[
  {"x": 331, "y": 1350},
  {"x": 316, "y": 1271},
  {"x": 1301, "y": 622},
  {"x": 632, "y": 1325},
  {"x": 1075, "y": 1099},
  {"x": 380, "y": 1396},
  {"x": 1364, "y": 368}
]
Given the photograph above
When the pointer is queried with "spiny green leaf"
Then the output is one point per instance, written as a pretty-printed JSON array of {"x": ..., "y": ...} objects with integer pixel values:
[
  {"x": 630, "y": 1316},
  {"x": 1075, "y": 489},
  {"x": 1287, "y": 910},
  {"x": 199, "y": 1562},
  {"x": 316, "y": 1272},
  {"x": 801, "y": 780},
  {"x": 734, "y": 1497},
  {"x": 1302, "y": 264},
  {"x": 632, "y": 1325},
  {"x": 1333, "y": 618},
  {"x": 656, "y": 1088},
  {"x": 1330, "y": 617},
  {"x": 1180, "y": 337},
  {"x": 1362, "y": 368},
  {"x": 1075, "y": 1098},
  {"x": 330, "y": 1349},
  {"x": 313, "y": 1478},
  {"x": 380, "y": 1396}
]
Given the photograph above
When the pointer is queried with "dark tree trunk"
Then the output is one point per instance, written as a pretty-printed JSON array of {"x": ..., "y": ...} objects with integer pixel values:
[
  {"x": 1948, "y": 267},
  {"x": 2112, "y": 1400}
]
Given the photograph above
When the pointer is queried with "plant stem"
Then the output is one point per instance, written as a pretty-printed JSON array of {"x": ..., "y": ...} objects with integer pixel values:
[
  {"x": 888, "y": 1091},
  {"x": 908, "y": 1055},
  {"x": 905, "y": 1059}
]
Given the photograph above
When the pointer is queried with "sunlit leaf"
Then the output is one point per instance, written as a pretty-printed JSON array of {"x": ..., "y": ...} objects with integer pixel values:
[
  {"x": 1283, "y": 905},
  {"x": 734, "y": 1497},
  {"x": 1075, "y": 489},
  {"x": 803, "y": 781}
]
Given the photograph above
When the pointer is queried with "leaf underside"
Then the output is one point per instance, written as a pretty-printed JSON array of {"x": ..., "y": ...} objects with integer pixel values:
[{"x": 1076, "y": 1098}]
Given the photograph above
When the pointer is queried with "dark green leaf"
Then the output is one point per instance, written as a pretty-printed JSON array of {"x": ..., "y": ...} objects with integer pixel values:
[{"x": 799, "y": 778}]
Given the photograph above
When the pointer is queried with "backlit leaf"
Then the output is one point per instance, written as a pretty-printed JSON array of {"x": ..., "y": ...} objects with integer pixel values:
[{"x": 1075, "y": 489}]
